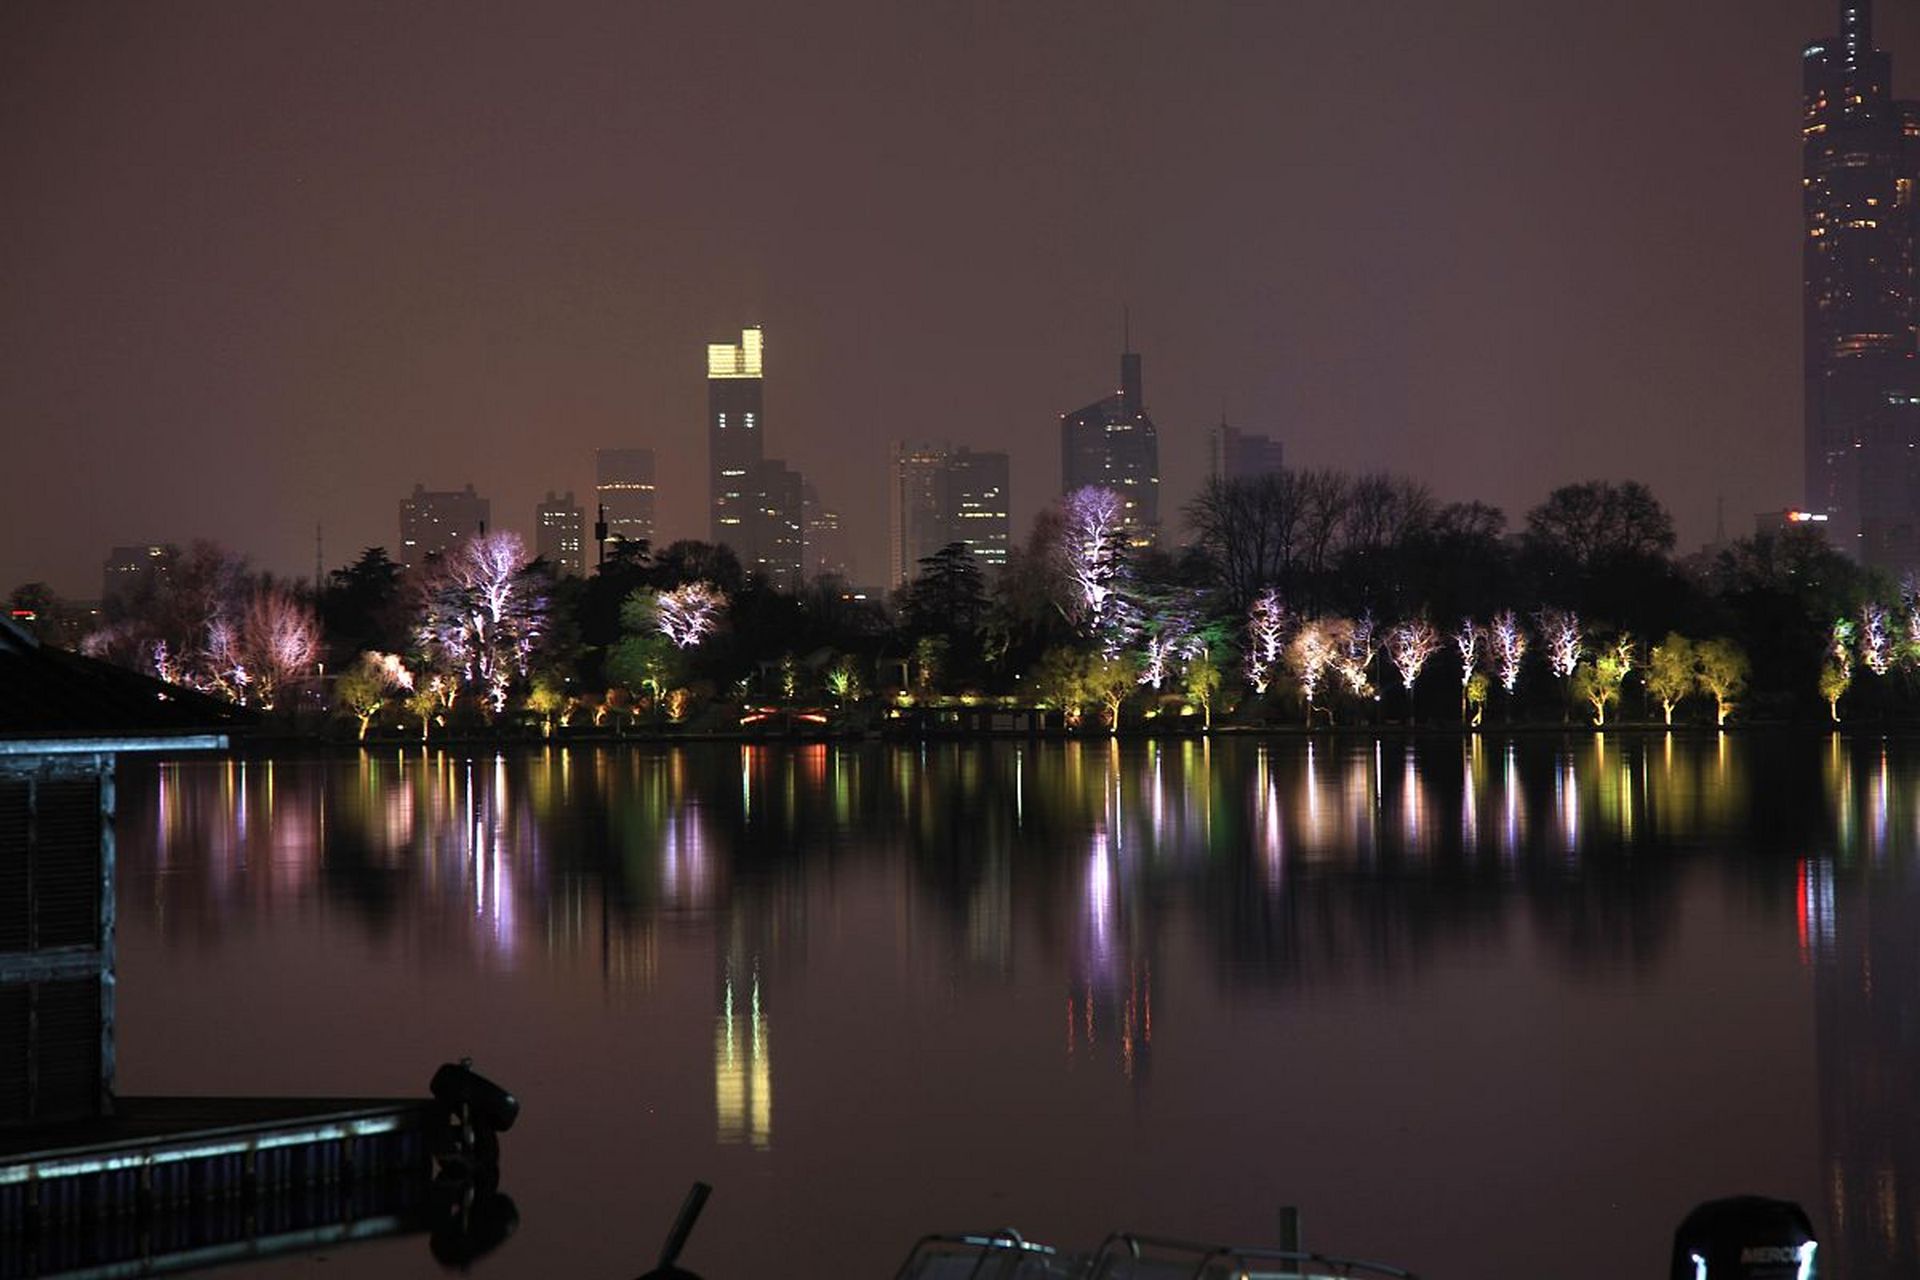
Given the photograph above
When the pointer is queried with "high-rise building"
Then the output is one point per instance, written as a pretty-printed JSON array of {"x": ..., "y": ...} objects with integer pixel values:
[
  {"x": 939, "y": 495},
  {"x": 1234, "y": 454},
  {"x": 735, "y": 427},
  {"x": 1861, "y": 158},
  {"x": 560, "y": 534},
  {"x": 1112, "y": 444},
  {"x": 433, "y": 522},
  {"x": 624, "y": 489},
  {"x": 132, "y": 573},
  {"x": 826, "y": 537},
  {"x": 774, "y": 544}
]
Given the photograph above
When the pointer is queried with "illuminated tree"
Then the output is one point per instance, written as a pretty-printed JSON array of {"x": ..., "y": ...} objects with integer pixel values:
[
  {"x": 1597, "y": 683},
  {"x": 1834, "y": 682},
  {"x": 1477, "y": 688},
  {"x": 844, "y": 682},
  {"x": 1310, "y": 653},
  {"x": 689, "y": 613},
  {"x": 646, "y": 661},
  {"x": 1060, "y": 681},
  {"x": 1354, "y": 650},
  {"x": 1560, "y": 637},
  {"x": 1876, "y": 638},
  {"x": 1203, "y": 683},
  {"x": 1470, "y": 640},
  {"x": 1670, "y": 673},
  {"x": 1266, "y": 631},
  {"x": 1092, "y": 553},
  {"x": 548, "y": 700},
  {"x": 364, "y": 688},
  {"x": 1109, "y": 682},
  {"x": 1409, "y": 646},
  {"x": 279, "y": 638},
  {"x": 1507, "y": 640},
  {"x": 427, "y": 702},
  {"x": 1723, "y": 667},
  {"x": 483, "y": 615}
]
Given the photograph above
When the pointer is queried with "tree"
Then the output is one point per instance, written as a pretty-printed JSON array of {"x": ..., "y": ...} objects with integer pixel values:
[
  {"x": 844, "y": 681},
  {"x": 1508, "y": 642},
  {"x": 547, "y": 699},
  {"x": 1109, "y": 682},
  {"x": 278, "y": 642},
  {"x": 483, "y": 615},
  {"x": 1266, "y": 630},
  {"x": 1060, "y": 681},
  {"x": 1834, "y": 681},
  {"x": 645, "y": 661},
  {"x": 1598, "y": 520},
  {"x": 1315, "y": 645},
  {"x": 1722, "y": 666},
  {"x": 363, "y": 689},
  {"x": 1409, "y": 646},
  {"x": 1203, "y": 683},
  {"x": 1670, "y": 672},
  {"x": 1093, "y": 559},
  {"x": 1876, "y": 638},
  {"x": 1248, "y": 530},
  {"x": 1471, "y": 642},
  {"x": 949, "y": 595},
  {"x": 363, "y": 605},
  {"x": 688, "y": 613},
  {"x": 1597, "y": 683},
  {"x": 1477, "y": 687}
]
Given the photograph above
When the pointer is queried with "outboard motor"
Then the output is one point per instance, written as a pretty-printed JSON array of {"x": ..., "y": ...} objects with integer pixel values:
[
  {"x": 1745, "y": 1238},
  {"x": 677, "y": 1238}
]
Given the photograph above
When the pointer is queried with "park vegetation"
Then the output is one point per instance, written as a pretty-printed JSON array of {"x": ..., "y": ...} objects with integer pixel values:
[{"x": 1301, "y": 598}]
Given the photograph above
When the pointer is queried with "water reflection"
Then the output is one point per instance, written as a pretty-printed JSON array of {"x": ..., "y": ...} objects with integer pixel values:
[{"x": 1291, "y": 868}]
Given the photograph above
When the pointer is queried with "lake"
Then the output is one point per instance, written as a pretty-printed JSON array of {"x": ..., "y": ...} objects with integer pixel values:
[{"x": 1493, "y": 1007}]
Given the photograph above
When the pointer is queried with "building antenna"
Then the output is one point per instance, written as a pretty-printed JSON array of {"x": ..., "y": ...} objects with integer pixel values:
[{"x": 1126, "y": 330}]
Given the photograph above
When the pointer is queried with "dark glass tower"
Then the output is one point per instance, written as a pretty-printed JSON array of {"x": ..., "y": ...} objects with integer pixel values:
[
  {"x": 1861, "y": 155},
  {"x": 1112, "y": 444},
  {"x": 735, "y": 433}
]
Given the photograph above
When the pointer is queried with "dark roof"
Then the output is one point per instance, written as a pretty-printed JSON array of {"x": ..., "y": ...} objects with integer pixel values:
[{"x": 52, "y": 693}]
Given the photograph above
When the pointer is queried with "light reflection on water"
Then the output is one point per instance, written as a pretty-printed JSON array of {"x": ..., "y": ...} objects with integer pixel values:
[{"x": 924, "y": 918}]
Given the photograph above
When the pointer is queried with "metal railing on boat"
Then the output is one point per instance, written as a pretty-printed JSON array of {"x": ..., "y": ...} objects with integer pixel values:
[{"x": 1124, "y": 1256}]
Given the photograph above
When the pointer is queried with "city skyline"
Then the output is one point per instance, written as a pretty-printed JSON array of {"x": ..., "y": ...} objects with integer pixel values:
[{"x": 1484, "y": 277}]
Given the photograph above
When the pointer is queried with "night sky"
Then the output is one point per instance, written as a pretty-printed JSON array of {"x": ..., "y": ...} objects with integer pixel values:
[{"x": 270, "y": 264}]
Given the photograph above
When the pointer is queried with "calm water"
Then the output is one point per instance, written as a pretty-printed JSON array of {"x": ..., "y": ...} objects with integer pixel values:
[{"x": 1488, "y": 1009}]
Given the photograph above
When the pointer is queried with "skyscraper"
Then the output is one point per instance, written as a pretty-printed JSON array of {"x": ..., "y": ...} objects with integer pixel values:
[
  {"x": 1861, "y": 156},
  {"x": 773, "y": 539},
  {"x": 826, "y": 539},
  {"x": 1112, "y": 443},
  {"x": 624, "y": 489},
  {"x": 937, "y": 495},
  {"x": 735, "y": 422},
  {"x": 560, "y": 534},
  {"x": 1241, "y": 455},
  {"x": 432, "y": 522}
]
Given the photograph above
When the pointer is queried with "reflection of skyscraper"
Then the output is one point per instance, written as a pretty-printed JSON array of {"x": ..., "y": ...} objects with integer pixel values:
[
  {"x": 743, "y": 1066},
  {"x": 1860, "y": 939},
  {"x": 624, "y": 488},
  {"x": 1861, "y": 158},
  {"x": 1112, "y": 444},
  {"x": 735, "y": 427}
]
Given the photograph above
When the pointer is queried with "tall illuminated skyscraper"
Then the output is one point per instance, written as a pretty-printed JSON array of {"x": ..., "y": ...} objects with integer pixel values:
[
  {"x": 1861, "y": 156},
  {"x": 1112, "y": 443},
  {"x": 735, "y": 427},
  {"x": 623, "y": 487}
]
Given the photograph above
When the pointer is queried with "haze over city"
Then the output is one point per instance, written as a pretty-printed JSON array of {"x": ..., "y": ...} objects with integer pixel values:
[{"x": 271, "y": 265}]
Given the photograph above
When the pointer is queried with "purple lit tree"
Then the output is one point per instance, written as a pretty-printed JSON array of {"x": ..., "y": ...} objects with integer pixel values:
[
  {"x": 484, "y": 615},
  {"x": 1507, "y": 640},
  {"x": 1266, "y": 631},
  {"x": 1876, "y": 638},
  {"x": 1409, "y": 646},
  {"x": 1354, "y": 652},
  {"x": 1093, "y": 557},
  {"x": 280, "y": 640},
  {"x": 1561, "y": 638},
  {"x": 1471, "y": 643},
  {"x": 689, "y": 613},
  {"x": 1313, "y": 649}
]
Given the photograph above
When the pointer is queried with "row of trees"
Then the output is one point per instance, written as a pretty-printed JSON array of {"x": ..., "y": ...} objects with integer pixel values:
[{"x": 1269, "y": 611}]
